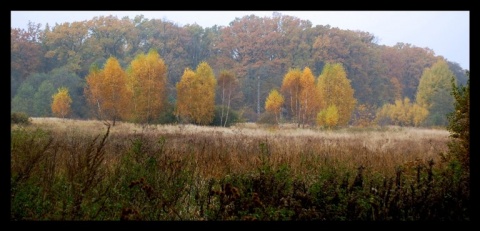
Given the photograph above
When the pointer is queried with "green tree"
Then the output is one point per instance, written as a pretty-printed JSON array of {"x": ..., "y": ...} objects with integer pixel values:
[
  {"x": 434, "y": 93},
  {"x": 459, "y": 123},
  {"x": 335, "y": 89}
]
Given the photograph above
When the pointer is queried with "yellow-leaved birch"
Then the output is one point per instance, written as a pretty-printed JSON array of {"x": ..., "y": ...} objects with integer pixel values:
[
  {"x": 61, "y": 102},
  {"x": 147, "y": 79},
  {"x": 107, "y": 91},
  {"x": 196, "y": 95},
  {"x": 335, "y": 89},
  {"x": 274, "y": 103}
]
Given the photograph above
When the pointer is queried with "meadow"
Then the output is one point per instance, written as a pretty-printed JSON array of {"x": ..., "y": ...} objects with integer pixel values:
[{"x": 65, "y": 169}]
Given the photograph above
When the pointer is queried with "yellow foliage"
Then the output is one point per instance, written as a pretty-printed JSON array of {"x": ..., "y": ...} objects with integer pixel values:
[
  {"x": 310, "y": 101},
  {"x": 331, "y": 116},
  {"x": 291, "y": 87},
  {"x": 402, "y": 113},
  {"x": 274, "y": 103},
  {"x": 196, "y": 95},
  {"x": 335, "y": 89},
  {"x": 61, "y": 102},
  {"x": 328, "y": 117},
  {"x": 107, "y": 91},
  {"x": 302, "y": 96},
  {"x": 147, "y": 79}
]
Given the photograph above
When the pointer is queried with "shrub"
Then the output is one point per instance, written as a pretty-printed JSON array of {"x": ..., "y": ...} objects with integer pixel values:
[
  {"x": 233, "y": 117},
  {"x": 20, "y": 118}
]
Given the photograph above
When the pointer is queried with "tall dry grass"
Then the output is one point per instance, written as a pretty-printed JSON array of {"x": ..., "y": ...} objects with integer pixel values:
[
  {"x": 66, "y": 169},
  {"x": 218, "y": 151}
]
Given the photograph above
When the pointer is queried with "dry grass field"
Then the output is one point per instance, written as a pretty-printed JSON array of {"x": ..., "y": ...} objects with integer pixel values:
[
  {"x": 66, "y": 169},
  {"x": 378, "y": 149}
]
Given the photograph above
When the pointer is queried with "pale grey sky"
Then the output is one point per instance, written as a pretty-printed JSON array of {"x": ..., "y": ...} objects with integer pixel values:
[{"x": 447, "y": 33}]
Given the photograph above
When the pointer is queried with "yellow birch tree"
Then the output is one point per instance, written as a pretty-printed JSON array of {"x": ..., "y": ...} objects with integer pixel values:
[
  {"x": 335, "y": 89},
  {"x": 147, "y": 79},
  {"x": 291, "y": 88},
  {"x": 196, "y": 95},
  {"x": 309, "y": 98},
  {"x": 107, "y": 91},
  {"x": 61, "y": 103},
  {"x": 274, "y": 103}
]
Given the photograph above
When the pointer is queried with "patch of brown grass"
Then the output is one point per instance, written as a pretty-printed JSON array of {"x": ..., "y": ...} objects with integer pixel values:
[{"x": 218, "y": 151}]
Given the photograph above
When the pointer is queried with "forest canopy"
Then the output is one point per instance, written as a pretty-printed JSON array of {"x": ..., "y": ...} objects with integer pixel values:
[{"x": 258, "y": 51}]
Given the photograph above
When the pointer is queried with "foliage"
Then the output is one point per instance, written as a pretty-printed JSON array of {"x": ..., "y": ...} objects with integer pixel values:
[
  {"x": 331, "y": 116},
  {"x": 364, "y": 115},
  {"x": 227, "y": 90},
  {"x": 291, "y": 88},
  {"x": 107, "y": 91},
  {"x": 459, "y": 124},
  {"x": 310, "y": 101},
  {"x": 147, "y": 80},
  {"x": 167, "y": 115},
  {"x": 274, "y": 103},
  {"x": 335, "y": 89},
  {"x": 35, "y": 94},
  {"x": 196, "y": 95},
  {"x": 303, "y": 100},
  {"x": 233, "y": 117},
  {"x": 20, "y": 118},
  {"x": 402, "y": 113},
  {"x": 61, "y": 103},
  {"x": 257, "y": 50},
  {"x": 434, "y": 93},
  {"x": 328, "y": 117}
]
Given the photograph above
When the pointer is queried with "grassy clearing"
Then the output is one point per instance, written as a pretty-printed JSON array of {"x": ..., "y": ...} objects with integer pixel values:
[{"x": 82, "y": 170}]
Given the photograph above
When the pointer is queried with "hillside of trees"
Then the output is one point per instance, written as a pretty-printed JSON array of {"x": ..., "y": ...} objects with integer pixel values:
[{"x": 242, "y": 66}]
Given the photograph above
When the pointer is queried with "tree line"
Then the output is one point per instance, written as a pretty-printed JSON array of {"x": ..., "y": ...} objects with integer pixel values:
[{"x": 250, "y": 58}]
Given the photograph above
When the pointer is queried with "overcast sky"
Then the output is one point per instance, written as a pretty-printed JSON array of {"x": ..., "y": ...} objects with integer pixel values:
[{"x": 447, "y": 33}]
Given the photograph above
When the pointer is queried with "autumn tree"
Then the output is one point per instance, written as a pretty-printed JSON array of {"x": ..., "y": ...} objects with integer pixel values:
[
  {"x": 26, "y": 54},
  {"x": 335, "y": 89},
  {"x": 61, "y": 103},
  {"x": 274, "y": 103},
  {"x": 291, "y": 88},
  {"x": 65, "y": 44},
  {"x": 328, "y": 117},
  {"x": 147, "y": 79},
  {"x": 107, "y": 91},
  {"x": 196, "y": 95},
  {"x": 227, "y": 87},
  {"x": 402, "y": 113},
  {"x": 310, "y": 102},
  {"x": 434, "y": 93}
]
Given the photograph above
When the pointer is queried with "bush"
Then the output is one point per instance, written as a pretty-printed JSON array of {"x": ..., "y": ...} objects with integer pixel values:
[
  {"x": 20, "y": 118},
  {"x": 233, "y": 117},
  {"x": 167, "y": 116}
]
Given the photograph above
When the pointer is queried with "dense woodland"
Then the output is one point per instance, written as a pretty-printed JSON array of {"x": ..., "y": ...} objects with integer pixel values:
[{"x": 248, "y": 60}]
